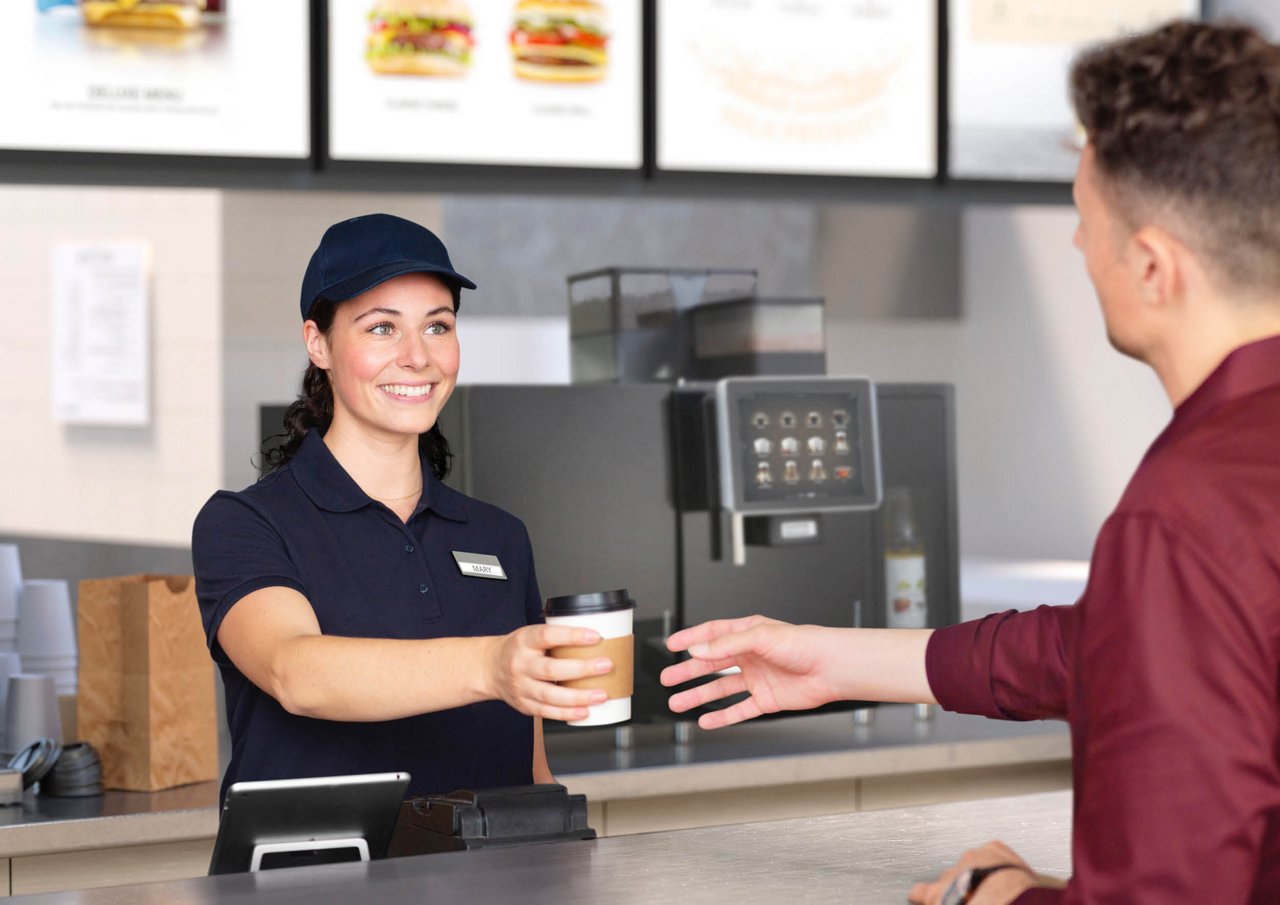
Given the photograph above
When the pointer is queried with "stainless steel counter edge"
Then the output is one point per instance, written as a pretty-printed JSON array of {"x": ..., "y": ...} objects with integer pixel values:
[
  {"x": 108, "y": 831},
  {"x": 796, "y": 750},
  {"x": 644, "y": 782}
]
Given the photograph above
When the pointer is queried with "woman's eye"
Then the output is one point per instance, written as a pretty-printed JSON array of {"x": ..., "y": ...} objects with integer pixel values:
[
  {"x": 381, "y": 329},
  {"x": 438, "y": 329}
]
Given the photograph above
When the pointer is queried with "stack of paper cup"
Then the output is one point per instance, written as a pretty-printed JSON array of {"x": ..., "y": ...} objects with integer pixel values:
[
  {"x": 10, "y": 590},
  {"x": 10, "y": 664},
  {"x": 46, "y": 633},
  {"x": 32, "y": 711}
]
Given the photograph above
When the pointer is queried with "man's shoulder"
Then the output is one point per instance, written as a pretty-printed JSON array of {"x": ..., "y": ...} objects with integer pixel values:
[{"x": 1217, "y": 483}]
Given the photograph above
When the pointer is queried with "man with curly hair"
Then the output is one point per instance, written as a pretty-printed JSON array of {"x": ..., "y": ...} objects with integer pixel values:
[{"x": 1168, "y": 667}]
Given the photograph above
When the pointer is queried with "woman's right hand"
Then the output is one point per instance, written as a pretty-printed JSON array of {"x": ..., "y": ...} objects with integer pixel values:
[{"x": 519, "y": 671}]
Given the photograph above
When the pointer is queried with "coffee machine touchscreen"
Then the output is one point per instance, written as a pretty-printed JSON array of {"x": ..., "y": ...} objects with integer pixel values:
[{"x": 796, "y": 444}]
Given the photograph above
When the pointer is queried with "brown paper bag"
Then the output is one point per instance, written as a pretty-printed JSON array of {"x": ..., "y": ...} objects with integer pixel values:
[{"x": 146, "y": 685}]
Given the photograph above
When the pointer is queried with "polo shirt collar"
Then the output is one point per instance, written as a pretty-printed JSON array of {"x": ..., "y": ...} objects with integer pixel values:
[
  {"x": 330, "y": 487},
  {"x": 1246, "y": 370}
]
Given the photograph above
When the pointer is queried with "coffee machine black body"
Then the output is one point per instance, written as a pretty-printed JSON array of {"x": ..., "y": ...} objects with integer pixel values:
[{"x": 623, "y": 485}]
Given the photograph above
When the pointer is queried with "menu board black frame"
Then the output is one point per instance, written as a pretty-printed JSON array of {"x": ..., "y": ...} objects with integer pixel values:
[{"x": 318, "y": 170}]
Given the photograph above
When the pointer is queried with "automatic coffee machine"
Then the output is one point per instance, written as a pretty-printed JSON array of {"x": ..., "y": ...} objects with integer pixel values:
[{"x": 707, "y": 501}]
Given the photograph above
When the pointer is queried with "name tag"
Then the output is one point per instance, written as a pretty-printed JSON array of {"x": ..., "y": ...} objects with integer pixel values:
[{"x": 479, "y": 565}]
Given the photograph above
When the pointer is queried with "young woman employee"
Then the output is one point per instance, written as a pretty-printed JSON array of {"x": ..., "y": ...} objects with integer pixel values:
[{"x": 365, "y": 617}]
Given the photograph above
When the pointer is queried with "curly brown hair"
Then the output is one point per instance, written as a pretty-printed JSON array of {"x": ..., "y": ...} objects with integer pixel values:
[{"x": 1184, "y": 121}]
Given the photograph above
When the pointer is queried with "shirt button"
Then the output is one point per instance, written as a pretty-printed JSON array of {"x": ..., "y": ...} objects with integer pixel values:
[
  {"x": 422, "y": 589},
  {"x": 408, "y": 548}
]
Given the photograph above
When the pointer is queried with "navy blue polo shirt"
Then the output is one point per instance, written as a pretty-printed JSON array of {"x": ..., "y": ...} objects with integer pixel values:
[{"x": 309, "y": 526}]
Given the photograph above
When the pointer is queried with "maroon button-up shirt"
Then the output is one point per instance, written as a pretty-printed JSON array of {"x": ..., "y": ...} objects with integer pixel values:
[{"x": 1168, "y": 668}]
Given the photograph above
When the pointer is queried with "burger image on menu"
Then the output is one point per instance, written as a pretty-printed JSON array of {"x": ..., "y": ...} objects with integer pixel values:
[
  {"x": 162, "y": 14},
  {"x": 560, "y": 41},
  {"x": 420, "y": 37}
]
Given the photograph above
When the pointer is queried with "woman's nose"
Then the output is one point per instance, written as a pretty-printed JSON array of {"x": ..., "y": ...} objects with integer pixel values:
[{"x": 413, "y": 352}]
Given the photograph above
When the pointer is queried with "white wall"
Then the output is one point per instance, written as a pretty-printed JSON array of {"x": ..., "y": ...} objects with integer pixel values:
[
  {"x": 127, "y": 485},
  {"x": 1051, "y": 421}
]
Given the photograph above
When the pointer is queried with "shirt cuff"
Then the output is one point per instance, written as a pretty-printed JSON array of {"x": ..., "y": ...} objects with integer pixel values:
[{"x": 958, "y": 666}]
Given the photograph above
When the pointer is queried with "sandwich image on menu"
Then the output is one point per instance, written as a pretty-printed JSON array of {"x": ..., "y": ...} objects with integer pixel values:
[
  {"x": 162, "y": 14},
  {"x": 560, "y": 41},
  {"x": 420, "y": 37}
]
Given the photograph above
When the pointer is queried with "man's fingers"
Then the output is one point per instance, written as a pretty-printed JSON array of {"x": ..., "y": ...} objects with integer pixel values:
[
  {"x": 691, "y": 669},
  {"x": 709, "y": 631},
  {"x": 703, "y": 694},
  {"x": 738, "y": 713}
]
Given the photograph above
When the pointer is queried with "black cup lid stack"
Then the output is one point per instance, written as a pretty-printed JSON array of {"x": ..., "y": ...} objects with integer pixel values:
[{"x": 73, "y": 771}]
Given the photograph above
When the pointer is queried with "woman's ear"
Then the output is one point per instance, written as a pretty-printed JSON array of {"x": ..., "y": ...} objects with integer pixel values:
[{"x": 317, "y": 345}]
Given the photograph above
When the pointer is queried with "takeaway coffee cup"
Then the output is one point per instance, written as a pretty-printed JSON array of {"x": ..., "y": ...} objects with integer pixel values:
[{"x": 610, "y": 614}]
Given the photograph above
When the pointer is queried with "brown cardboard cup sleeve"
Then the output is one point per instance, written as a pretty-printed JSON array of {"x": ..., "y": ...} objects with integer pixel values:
[{"x": 618, "y": 682}]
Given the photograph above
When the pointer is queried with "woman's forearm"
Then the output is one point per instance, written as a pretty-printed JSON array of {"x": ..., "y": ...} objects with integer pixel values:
[{"x": 375, "y": 679}]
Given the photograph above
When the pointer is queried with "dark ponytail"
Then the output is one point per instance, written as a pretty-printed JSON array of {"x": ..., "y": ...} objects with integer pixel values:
[{"x": 313, "y": 409}]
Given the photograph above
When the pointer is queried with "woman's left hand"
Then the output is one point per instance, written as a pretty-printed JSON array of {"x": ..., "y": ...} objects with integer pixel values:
[{"x": 998, "y": 888}]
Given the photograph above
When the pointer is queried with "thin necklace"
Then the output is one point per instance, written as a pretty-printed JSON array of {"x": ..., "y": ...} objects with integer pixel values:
[{"x": 397, "y": 499}]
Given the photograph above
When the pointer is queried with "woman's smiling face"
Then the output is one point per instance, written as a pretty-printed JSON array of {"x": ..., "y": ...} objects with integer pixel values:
[{"x": 391, "y": 355}]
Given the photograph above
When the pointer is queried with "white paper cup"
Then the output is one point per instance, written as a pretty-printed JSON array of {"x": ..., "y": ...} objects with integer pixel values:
[
  {"x": 45, "y": 628},
  {"x": 10, "y": 664},
  {"x": 610, "y": 613},
  {"x": 8, "y": 636},
  {"x": 32, "y": 711},
  {"x": 10, "y": 582}
]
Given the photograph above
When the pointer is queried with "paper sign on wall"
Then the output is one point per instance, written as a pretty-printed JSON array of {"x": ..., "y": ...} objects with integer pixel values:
[{"x": 101, "y": 333}]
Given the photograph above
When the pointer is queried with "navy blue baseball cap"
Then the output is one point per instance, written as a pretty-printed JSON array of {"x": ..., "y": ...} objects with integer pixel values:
[{"x": 358, "y": 254}]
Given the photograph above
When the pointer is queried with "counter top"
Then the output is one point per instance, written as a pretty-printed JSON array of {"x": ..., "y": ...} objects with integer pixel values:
[
  {"x": 45, "y": 824},
  {"x": 775, "y": 752},
  {"x": 867, "y": 858},
  {"x": 796, "y": 749}
]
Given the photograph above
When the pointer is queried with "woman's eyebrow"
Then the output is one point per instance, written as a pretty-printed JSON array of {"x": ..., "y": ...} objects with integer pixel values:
[{"x": 392, "y": 312}]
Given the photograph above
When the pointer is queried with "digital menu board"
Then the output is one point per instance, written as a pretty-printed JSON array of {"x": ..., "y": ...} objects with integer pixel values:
[
  {"x": 205, "y": 77},
  {"x": 509, "y": 82},
  {"x": 826, "y": 87},
  {"x": 1010, "y": 103}
]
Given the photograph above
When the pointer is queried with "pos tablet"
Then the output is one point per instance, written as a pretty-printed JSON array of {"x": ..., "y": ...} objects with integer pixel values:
[{"x": 297, "y": 822}]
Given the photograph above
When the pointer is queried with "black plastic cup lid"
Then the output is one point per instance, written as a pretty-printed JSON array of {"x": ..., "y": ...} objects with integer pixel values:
[
  {"x": 36, "y": 760},
  {"x": 594, "y": 602}
]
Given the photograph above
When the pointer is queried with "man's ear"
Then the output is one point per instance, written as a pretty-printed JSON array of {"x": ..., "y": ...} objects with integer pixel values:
[
  {"x": 317, "y": 345},
  {"x": 1157, "y": 266}
]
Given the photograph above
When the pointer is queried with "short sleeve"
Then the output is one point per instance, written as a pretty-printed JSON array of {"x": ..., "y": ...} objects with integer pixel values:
[
  {"x": 236, "y": 550},
  {"x": 533, "y": 597}
]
